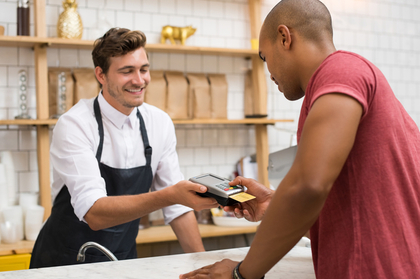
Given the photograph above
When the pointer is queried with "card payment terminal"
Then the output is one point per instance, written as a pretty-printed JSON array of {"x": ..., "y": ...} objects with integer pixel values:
[{"x": 219, "y": 189}]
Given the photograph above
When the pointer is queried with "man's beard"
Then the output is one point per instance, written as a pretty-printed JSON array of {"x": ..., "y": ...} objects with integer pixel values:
[{"x": 120, "y": 98}]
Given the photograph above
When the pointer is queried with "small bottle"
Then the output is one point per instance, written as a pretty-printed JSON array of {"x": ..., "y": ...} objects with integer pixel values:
[
  {"x": 23, "y": 107},
  {"x": 23, "y": 18},
  {"x": 61, "y": 94}
]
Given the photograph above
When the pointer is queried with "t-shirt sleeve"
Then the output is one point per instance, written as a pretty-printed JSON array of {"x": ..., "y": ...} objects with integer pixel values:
[{"x": 346, "y": 74}]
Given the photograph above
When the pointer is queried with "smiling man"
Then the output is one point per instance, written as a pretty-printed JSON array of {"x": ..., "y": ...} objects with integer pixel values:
[{"x": 104, "y": 164}]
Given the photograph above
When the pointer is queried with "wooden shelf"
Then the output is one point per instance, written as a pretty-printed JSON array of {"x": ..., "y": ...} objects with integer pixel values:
[
  {"x": 263, "y": 121},
  {"x": 22, "y": 247},
  {"x": 28, "y": 41},
  {"x": 232, "y": 121},
  {"x": 149, "y": 235},
  {"x": 21, "y": 41},
  {"x": 165, "y": 233},
  {"x": 201, "y": 50},
  {"x": 28, "y": 122}
]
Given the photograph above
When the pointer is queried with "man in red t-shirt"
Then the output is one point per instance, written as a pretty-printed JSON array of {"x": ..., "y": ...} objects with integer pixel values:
[{"x": 355, "y": 182}]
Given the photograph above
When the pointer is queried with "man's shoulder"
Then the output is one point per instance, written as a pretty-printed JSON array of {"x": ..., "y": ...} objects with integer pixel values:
[
  {"x": 346, "y": 59},
  {"x": 78, "y": 122},
  {"x": 82, "y": 111},
  {"x": 345, "y": 67}
]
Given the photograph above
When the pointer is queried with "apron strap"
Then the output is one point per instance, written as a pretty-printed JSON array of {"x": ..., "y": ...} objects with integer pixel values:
[
  {"x": 143, "y": 132},
  {"x": 147, "y": 147},
  {"x": 100, "y": 128}
]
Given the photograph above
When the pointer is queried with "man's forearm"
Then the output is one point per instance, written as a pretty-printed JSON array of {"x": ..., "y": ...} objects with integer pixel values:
[
  {"x": 115, "y": 210},
  {"x": 291, "y": 213},
  {"x": 110, "y": 211},
  {"x": 186, "y": 229}
]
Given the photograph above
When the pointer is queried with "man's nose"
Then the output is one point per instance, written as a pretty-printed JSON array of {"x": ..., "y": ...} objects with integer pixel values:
[{"x": 138, "y": 79}]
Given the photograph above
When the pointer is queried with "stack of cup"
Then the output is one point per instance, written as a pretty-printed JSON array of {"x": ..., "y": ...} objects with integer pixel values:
[
  {"x": 12, "y": 226},
  {"x": 4, "y": 202},
  {"x": 6, "y": 159},
  {"x": 9, "y": 232},
  {"x": 33, "y": 221},
  {"x": 28, "y": 202}
]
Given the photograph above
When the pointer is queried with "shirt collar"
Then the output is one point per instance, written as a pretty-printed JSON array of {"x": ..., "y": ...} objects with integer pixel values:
[{"x": 116, "y": 117}]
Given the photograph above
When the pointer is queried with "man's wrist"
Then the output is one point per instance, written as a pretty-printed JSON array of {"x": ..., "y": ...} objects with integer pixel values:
[{"x": 236, "y": 274}]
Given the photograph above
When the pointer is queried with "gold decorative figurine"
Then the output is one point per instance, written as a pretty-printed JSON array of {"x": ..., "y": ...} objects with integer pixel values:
[
  {"x": 176, "y": 33},
  {"x": 69, "y": 24}
]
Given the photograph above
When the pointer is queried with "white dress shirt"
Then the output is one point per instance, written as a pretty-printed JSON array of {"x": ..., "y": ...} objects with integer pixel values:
[{"x": 75, "y": 141}]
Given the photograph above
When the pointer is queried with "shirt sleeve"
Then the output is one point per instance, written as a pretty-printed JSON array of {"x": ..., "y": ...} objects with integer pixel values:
[
  {"x": 74, "y": 162},
  {"x": 347, "y": 74},
  {"x": 168, "y": 173}
]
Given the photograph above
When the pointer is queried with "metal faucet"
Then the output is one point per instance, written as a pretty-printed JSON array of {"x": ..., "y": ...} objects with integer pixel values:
[{"x": 87, "y": 245}]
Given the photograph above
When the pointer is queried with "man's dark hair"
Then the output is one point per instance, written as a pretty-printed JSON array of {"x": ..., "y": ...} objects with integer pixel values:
[{"x": 116, "y": 42}]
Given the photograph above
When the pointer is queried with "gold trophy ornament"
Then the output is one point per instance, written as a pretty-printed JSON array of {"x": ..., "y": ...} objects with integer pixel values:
[
  {"x": 69, "y": 24},
  {"x": 176, "y": 33}
]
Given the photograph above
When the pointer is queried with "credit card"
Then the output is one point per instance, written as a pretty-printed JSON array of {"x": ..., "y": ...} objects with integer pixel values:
[{"x": 242, "y": 197}]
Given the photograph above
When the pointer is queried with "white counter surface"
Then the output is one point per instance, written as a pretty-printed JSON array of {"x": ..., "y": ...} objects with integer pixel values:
[{"x": 297, "y": 264}]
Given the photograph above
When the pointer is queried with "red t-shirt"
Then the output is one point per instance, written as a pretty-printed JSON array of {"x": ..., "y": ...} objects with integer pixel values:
[{"x": 369, "y": 226}]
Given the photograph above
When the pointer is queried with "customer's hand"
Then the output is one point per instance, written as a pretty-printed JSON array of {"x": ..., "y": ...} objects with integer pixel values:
[
  {"x": 185, "y": 193},
  {"x": 221, "y": 270},
  {"x": 254, "y": 209}
]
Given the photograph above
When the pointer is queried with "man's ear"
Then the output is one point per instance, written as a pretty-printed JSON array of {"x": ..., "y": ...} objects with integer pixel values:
[
  {"x": 284, "y": 36},
  {"x": 100, "y": 76}
]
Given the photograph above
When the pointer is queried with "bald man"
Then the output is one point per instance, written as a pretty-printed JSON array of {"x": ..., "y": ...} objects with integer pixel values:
[{"x": 355, "y": 182}]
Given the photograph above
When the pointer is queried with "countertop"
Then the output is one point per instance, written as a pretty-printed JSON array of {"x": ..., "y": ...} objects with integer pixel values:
[
  {"x": 150, "y": 235},
  {"x": 297, "y": 264}
]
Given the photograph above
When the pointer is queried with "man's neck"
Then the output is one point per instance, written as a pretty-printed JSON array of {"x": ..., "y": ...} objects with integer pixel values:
[{"x": 314, "y": 57}]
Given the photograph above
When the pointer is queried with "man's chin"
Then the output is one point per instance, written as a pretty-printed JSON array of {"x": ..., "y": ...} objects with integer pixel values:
[
  {"x": 135, "y": 103},
  {"x": 138, "y": 103},
  {"x": 293, "y": 97}
]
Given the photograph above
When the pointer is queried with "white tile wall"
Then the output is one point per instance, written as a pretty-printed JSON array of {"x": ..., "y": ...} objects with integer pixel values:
[
  {"x": 21, "y": 160},
  {"x": 28, "y": 182},
  {"x": 385, "y": 31},
  {"x": 3, "y": 77}
]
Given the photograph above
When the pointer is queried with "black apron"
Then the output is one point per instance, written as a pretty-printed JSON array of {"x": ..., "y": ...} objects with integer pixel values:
[{"x": 63, "y": 234}]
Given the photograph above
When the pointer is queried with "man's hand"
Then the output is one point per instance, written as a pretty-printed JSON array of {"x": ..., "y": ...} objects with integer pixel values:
[
  {"x": 254, "y": 209},
  {"x": 115, "y": 210},
  {"x": 221, "y": 269},
  {"x": 185, "y": 193}
]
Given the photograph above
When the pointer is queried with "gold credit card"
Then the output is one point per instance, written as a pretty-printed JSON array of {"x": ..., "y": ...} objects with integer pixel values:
[{"x": 242, "y": 197}]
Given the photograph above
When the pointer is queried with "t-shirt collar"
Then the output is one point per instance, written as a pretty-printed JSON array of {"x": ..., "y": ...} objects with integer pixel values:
[{"x": 116, "y": 117}]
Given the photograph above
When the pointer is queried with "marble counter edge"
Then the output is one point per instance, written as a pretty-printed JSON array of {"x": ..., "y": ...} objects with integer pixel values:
[{"x": 297, "y": 264}]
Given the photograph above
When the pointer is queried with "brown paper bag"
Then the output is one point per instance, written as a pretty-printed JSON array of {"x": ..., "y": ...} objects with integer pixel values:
[
  {"x": 53, "y": 90},
  {"x": 86, "y": 85},
  {"x": 177, "y": 95},
  {"x": 248, "y": 95},
  {"x": 219, "y": 95},
  {"x": 156, "y": 90},
  {"x": 199, "y": 96}
]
